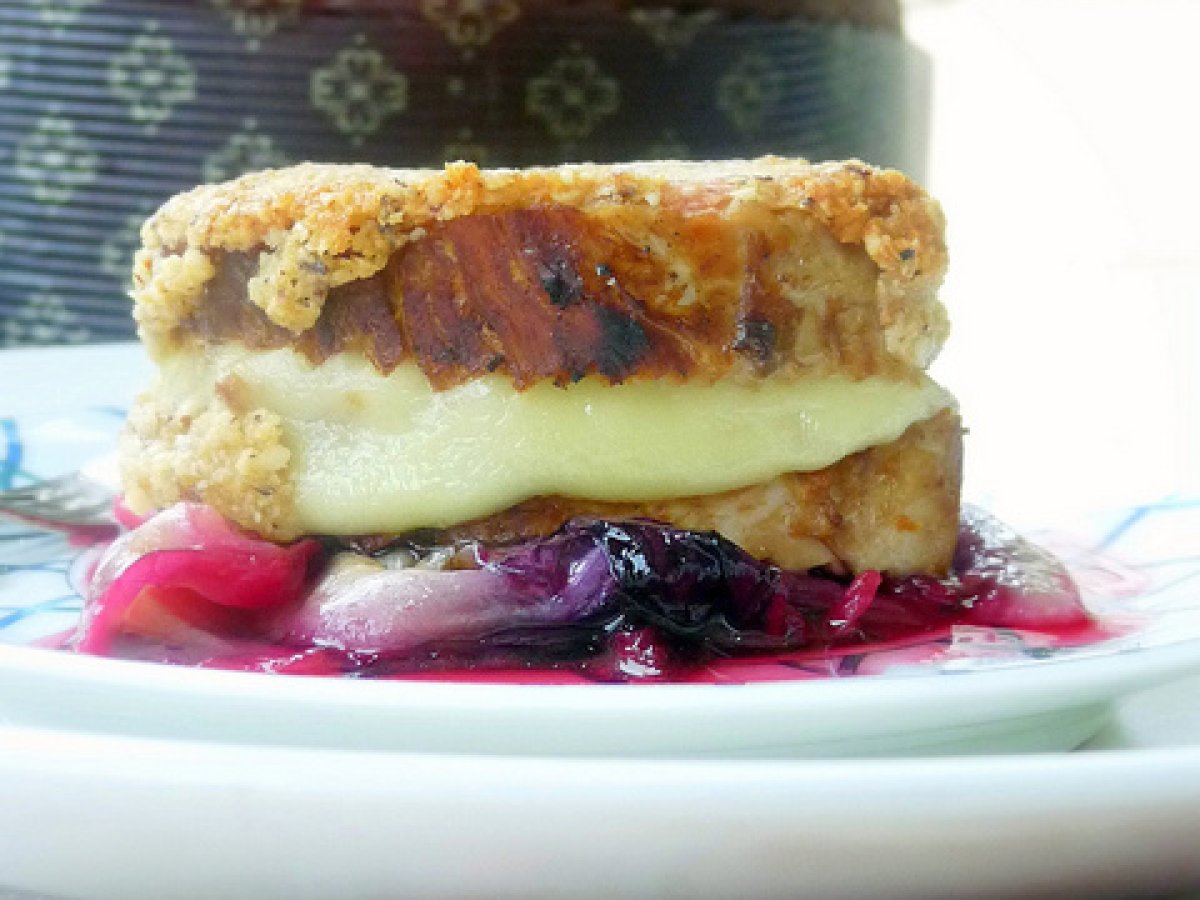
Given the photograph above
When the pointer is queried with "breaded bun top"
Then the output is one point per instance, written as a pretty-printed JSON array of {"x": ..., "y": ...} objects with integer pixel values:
[{"x": 709, "y": 267}]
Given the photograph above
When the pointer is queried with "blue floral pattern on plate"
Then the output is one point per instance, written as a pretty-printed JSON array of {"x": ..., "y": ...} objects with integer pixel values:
[{"x": 42, "y": 572}]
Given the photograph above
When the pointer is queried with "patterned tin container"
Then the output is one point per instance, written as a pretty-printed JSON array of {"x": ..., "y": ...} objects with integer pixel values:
[{"x": 107, "y": 107}]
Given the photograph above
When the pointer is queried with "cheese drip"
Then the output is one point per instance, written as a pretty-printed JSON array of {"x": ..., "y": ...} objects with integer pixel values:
[{"x": 378, "y": 453}]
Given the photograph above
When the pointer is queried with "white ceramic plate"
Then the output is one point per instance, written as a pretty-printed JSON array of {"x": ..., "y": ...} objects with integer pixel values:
[
  {"x": 120, "y": 817},
  {"x": 85, "y": 816},
  {"x": 991, "y": 692}
]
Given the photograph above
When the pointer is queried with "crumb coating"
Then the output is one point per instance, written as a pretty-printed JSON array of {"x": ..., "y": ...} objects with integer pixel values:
[{"x": 311, "y": 229}]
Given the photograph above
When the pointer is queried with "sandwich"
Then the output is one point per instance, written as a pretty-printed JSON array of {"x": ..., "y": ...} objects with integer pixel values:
[{"x": 588, "y": 416}]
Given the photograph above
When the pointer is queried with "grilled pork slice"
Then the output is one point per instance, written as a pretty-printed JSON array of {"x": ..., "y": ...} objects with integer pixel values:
[{"x": 647, "y": 270}]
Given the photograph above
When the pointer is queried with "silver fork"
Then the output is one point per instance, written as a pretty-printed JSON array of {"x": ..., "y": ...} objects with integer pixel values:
[
  {"x": 50, "y": 520},
  {"x": 69, "y": 502}
]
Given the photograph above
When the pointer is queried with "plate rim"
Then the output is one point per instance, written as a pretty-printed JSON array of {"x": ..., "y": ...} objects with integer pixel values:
[{"x": 1054, "y": 704}]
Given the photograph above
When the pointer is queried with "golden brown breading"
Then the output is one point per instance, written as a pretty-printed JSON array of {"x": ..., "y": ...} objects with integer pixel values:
[
  {"x": 892, "y": 508},
  {"x": 235, "y": 461},
  {"x": 647, "y": 269}
]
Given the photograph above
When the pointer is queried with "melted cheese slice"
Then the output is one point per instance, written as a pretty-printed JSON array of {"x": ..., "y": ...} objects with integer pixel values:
[{"x": 374, "y": 453}]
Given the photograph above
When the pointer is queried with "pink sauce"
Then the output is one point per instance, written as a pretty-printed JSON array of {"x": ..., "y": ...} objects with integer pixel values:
[
  {"x": 185, "y": 588},
  {"x": 842, "y": 662}
]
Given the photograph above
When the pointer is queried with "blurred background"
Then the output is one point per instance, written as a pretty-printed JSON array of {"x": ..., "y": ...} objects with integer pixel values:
[
  {"x": 1058, "y": 134},
  {"x": 1062, "y": 144},
  {"x": 111, "y": 106}
]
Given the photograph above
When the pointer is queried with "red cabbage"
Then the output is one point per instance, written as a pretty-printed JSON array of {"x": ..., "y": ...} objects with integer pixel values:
[
  {"x": 191, "y": 550},
  {"x": 616, "y": 600}
]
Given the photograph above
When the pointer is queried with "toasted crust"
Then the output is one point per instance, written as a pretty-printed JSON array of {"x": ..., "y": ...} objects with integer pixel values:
[
  {"x": 236, "y": 462},
  {"x": 706, "y": 259}
]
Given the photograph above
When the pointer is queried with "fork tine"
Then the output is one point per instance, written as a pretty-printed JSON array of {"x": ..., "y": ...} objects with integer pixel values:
[
  {"x": 70, "y": 500},
  {"x": 69, "y": 483}
]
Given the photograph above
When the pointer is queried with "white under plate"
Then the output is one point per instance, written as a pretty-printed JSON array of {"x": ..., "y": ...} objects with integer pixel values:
[
  {"x": 991, "y": 695},
  {"x": 86, "y": 816}
]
